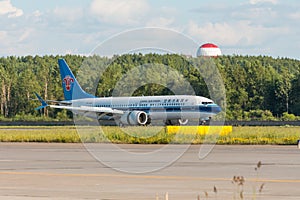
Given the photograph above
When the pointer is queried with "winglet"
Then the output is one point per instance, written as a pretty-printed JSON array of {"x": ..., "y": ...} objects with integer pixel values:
[{"x": 44, "y": 104}]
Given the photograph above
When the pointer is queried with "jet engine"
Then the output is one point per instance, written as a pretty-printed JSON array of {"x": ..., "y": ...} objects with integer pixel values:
[{"x": 134, "y": 118}]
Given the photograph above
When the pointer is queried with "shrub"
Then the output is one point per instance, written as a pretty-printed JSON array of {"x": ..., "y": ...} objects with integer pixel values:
[{"x": 288, "y": 117}]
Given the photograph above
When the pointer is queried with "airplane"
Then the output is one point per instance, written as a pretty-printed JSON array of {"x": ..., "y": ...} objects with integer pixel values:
[{"x": 133, "y": 110}]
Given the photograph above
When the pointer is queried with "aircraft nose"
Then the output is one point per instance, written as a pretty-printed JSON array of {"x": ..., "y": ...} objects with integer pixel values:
[{"x": 216, "y": 109}]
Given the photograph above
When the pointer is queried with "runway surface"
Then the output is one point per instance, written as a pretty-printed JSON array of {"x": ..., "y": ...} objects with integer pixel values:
[{"x": 68, "y": 171}]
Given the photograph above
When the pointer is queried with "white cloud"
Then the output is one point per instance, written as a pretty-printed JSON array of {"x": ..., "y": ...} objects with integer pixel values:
[
  {"x": 3, "y": 35},
  {"x": 249, "y": 25},
  {"x": 69, "y": 14},
  {"x": 160, "y": 22},
  {"x": 241, "y": 33},
  {"x": 119, "y": 11},
  {"x": 71, "y": 51},
  {"x": 263, "y": 1},
  {"x": 37, "y": 13},
  {"x": 259, "y": 15},
  {"x": 295, "y": 16},
  {"x": 171, "y": 11},
  {"x": 25, "y": 34},
  {"x": 6, "y": 8}
]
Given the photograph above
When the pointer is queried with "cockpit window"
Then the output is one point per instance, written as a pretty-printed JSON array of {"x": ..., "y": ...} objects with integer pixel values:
[{"x": 208, "y": 102}]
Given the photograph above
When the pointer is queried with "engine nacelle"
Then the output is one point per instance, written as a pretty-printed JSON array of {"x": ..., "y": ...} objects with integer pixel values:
[{"x": 134, "y": 118}]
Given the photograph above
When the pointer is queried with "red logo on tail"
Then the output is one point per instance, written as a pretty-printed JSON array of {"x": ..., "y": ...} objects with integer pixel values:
[{"x": 68, "y": 80}]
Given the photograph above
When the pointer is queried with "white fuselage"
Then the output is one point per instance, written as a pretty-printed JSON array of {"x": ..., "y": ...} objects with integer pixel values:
[{"x": 156, "y": 107}]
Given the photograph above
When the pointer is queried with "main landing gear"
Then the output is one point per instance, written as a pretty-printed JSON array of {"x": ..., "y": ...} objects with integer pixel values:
[
  {"x": 176, "y": 122},
  {"x": 204, "y": 122}
]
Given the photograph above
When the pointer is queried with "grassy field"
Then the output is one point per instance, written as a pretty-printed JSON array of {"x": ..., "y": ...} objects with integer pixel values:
[{"x": 150, "y": 135}]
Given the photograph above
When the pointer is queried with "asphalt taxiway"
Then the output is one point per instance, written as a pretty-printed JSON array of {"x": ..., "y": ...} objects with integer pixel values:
[{"x": 69, "y": 171}]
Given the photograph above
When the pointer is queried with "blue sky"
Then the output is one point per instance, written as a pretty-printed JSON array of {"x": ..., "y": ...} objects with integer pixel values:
[{"x": 248, "y": 27}]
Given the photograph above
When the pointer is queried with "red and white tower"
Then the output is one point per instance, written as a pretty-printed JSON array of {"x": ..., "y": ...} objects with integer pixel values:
[{"x": 209, "y": 49}]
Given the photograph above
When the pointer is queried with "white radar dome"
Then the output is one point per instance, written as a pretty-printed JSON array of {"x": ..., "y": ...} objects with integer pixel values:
[{"x": 209, "y": 49}]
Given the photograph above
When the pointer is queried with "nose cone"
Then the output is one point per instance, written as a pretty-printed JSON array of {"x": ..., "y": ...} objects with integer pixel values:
[
  {"x": 215, "y": 108},
  {"x": 218, "y": 109}
]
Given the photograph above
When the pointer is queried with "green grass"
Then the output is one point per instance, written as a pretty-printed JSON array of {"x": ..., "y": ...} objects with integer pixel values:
[
  {"x": 147, "y": 135},
  {"x": 38, "y": 134},
  {"x": 262, "y": 135}
]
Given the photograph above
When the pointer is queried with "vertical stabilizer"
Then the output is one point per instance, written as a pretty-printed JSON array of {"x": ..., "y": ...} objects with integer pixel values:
[{"x": 71, "y": 87}]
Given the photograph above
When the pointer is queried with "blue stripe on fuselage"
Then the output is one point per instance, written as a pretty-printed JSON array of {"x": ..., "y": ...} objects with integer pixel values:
[{"x": 208, "y": 108}]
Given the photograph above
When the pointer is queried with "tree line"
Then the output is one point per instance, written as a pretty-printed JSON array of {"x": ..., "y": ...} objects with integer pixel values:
[{"x": 255, "y": 87}]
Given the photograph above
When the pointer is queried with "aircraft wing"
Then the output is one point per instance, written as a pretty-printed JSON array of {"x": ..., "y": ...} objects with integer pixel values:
[
  {"x": 60, "y": 102},
  {"x": 89, "y": 109},
  {"x": 55, "y": 101},
  {"x": 84, "y": 109}
]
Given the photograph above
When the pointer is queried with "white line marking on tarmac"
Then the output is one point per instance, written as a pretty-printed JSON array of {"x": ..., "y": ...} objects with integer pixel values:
[{"x": 149, "y": 177}]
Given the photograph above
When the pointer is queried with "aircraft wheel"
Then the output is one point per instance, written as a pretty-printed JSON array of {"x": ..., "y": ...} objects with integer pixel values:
[{"x": 183, "y": 121}]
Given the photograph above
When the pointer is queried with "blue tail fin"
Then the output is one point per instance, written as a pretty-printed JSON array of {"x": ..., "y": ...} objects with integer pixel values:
[{"x": 72, "y": 89}]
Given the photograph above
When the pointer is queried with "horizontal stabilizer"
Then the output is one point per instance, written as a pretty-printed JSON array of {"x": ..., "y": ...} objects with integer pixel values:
[
  {"x": 40, "y": 107},
  {"x": 43, "y": 102}
]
